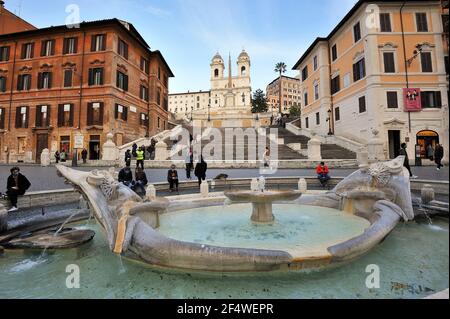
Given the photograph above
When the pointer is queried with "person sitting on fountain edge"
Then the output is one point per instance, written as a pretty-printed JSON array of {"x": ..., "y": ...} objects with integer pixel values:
[
  {"x": 17, "y": 185},
  {"x": 126, "y": 175},
  {"x": 323, "y": 174},
  {"x": 172, "y": 178}
]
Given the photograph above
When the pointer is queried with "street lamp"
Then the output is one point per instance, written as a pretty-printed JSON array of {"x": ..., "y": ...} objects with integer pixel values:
[{"x": 330, "y": 131}]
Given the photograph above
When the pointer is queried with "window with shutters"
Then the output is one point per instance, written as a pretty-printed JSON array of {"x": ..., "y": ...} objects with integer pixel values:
[
  {"x": 123, "y": 49},
  {"x": 24, "y": 82},
  {"x": 2, "y": 118},
  {"x": 316, "y": 91},
  {"x": 98, "y": 42},
  {"x": 27, "y": 51},
  {"x": 122, "y": 81},
  {"x": 334, "y": 53},
  {"x": 68, "y": 76},
  {"x": 96, "y": 76},
  {"x": 121, "y": 112},
  {"x": 144, "y": 120},
  {"x": 385, "y": 22},
  {"x": 144, "y": 65},
  {"x": 42, "y": 116},
  {"x": 307, "y": 122},
  {"x": 305, "y": 73},
  {"x": 144, "y": 93},
  {"x": 392, "y": 100},
  {"x": 389, "y": 62},
  {"x": 335, "y": 84},
  {"x": 315, "y": 63},
  {"x": 318, "y": 118},
  {"x": 362, "y": 104},
  {"x": 359, "y": 70},
  {"x": 65, "y": 115},
  {"x": 158, "y": 96},
  {"x": 431, "y": 99},
  {"x": 70, "y": 45},
  {"x": 421, "y": 22},
  {"x": 425, "y": 59},
  {"x": 95, "y": 113},
  {"x": 3, "y": 84},
  {"x": 337, "y": 114},
  {"x": 4, "y": 53},
  {"x": 22, "y": 117},
  {"x": 44, "y": 80},
  {"x": 357, "y": 32},
  {"x": 48, "y": 48}
]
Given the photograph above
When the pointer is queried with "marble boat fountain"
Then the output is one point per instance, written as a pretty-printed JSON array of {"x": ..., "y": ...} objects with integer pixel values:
[{"x": 375, "y": 199}]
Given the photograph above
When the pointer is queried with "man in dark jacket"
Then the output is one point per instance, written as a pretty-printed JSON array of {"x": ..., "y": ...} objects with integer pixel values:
[
  {"x": 200, "y": 170},
  {"x": 17, "y": 185},
  {"x": 172, "y": 178},
  {"x": 404, "y": 153},
  {"x": 126, "y": 175},
  {"x": 438, "y": 156},
  {"x": 84, "y": 155}
]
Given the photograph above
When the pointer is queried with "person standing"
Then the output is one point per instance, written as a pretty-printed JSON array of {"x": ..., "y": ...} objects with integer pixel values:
[
  {"x": 267, "y": 157},
  {"x": 438, "y": 156},
  {"x": 17, "y": 185},
  {"x": 128, "y": 156},
  {"x": 63, "y": 156},
  {"x": 404, "y": 153},
  {"x": 200, "y": 170},
  {"x": 172, "y": 178},
  {"x": 134, "y": 151},
  {"x": 140, "y": 157},
  {"x": 84, "y": 155},
  {"x": 57, "y": 157}
]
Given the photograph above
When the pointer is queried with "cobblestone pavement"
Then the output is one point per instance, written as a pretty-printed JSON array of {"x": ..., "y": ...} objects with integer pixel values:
[{"x": 45, "y": 178}]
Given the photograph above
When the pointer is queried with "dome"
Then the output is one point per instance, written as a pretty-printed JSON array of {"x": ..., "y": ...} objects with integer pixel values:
[
  {"x": 217, "y": 58},
  {"x": 243, "y": 56}
]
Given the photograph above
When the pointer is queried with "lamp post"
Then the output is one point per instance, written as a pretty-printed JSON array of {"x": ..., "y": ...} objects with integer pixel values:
[{"x": 330, "y": 131}]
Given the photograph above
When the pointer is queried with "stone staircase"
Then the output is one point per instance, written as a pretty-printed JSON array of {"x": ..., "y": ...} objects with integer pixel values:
[{"x": 329, "y": 151}]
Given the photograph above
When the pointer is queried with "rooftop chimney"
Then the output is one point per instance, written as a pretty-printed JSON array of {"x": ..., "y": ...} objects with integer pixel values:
[{"x": 2, "y": 3}]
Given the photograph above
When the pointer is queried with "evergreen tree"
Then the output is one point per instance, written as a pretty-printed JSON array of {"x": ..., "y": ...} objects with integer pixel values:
[{"x": 259, "y": 102}]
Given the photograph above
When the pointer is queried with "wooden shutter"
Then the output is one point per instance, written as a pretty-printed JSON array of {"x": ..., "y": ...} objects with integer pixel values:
[
  {"x": 72, "y": 110},
  {"x": 126, "y": 82},
  {"x": 38, "y": 116},
  {"x": 65, "y": 45},
  {"x": 91, "y": 77},
  {"x": 53, "y": 44},
  {"x": 438, "y": 99},
  {"x": 89, "y": 114},
  {"x": 75, "y": 45},
  {"x": 27, "y": 117},
  {"x": 24, "y": 51},
  {"x": 389, "y": 62},
  {"x": 60, "y": 115},
  {"x": 104, "y": 42},
  {"x": 32, "y": 50},
  {"x": 93, "y": 38},
  {"x": 101, "y": 114},
  {"x": 116, "y": 111},
  {"x": 125, "y": 113},
  {"x": 43, "y": 48},
  {"x": 19, "y": 82},
  {"x": 2, "y": 118},
  {"x": 102, "y": 80},
  {"x": 49, "y": 115},
  {"x": 126, "y": 51},
  {"x": 18, "y": 117},
  {"x": 40, "y": 81},
  {"x": 50, "y": 76}
]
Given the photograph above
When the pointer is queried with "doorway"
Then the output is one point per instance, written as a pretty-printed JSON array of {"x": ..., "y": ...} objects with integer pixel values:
[
  {"x": 425, "y": 138},
  {"x": 94, "y": 148},
  {"x": 394, "y": 144},
  {"x": 41, "y": 144}
]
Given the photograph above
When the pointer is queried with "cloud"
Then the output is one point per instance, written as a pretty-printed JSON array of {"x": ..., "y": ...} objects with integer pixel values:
[{"x": 156, "y": 11}]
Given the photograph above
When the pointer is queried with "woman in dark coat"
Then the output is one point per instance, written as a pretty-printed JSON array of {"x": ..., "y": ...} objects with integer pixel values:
[
  {"x": 438, "y": 156},
  {"x": 200, "y": 170}
]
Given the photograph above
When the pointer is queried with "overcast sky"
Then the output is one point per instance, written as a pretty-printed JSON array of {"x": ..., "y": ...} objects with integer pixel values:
[{"x": 190, "y": 32}]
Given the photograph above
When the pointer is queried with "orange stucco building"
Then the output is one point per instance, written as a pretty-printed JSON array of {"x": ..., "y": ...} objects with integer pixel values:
[
  {"x": 353, "y": 80},
  {"x": 59, "y": 82}
]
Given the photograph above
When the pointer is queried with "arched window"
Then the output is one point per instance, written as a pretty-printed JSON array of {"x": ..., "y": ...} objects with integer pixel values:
[
  {"x": 243, "y": 70},
  {"x": 216, "y": 73}
]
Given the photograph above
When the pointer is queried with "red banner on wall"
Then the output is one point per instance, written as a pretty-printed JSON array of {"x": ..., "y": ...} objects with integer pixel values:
[{"x": 413, "y": 101}]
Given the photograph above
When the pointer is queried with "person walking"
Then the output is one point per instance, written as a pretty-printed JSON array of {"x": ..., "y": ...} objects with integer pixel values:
[
  {"x": 438, "y": 156},
  {"x": 140, "y": 157},
  {"x": 134, "y": 150},
  {"x": 84, "y": 155},
  {"x": 189, "y": 161},
  {"x": 172, "y": 178},
  {"x": 404, "y": 153},
  {"x": 200, "y": 170},
  {"x": 16, "y": 186}
]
